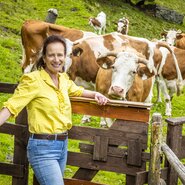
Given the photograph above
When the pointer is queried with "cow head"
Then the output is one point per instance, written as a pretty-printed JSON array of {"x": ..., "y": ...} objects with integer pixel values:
[
  {"x": 124, "y": 68},
  {"x": 171, "y": 36},
  {"x": 122, "y": 25}
]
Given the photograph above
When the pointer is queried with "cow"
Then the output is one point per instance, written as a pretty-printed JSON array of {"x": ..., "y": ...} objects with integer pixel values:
[
  {"x": 119, "y": 80},
  {"x": 174, "y": 38},
  {"x": 123, "y": 26},
  {"x": 33, "y": 33},
  {"x": 98, "y": 23},
  {"x": 167, "y": 71}
]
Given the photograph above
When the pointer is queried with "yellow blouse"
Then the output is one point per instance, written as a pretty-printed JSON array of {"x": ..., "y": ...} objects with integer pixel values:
[{"x": 49, "y": 108}]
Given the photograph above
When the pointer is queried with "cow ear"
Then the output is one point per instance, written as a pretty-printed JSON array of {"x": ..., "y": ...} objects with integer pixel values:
[
  {"x": 179, "y": 36},
  {"x": 163, "y": 34},
  {"x": 77, "y": 52},
  {"x": 144, "y": 72},
  {"x": 105, "y": 62}
]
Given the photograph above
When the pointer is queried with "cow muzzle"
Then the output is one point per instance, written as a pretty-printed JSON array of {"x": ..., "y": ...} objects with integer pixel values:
[{"x": 116, "y": 92}]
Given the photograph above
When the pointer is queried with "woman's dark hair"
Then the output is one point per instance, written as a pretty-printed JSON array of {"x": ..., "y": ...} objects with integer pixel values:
[{"x": 47, "y": 41}]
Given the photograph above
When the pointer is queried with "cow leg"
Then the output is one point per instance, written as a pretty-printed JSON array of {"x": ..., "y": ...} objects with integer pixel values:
[
  {"x": 86, "y": 119},
  {"x": 150, "y": 95},
  {"x": 106, "y": 122},
  {"x": 167, "y": 98},
  {"x": 158, "y": 89}
]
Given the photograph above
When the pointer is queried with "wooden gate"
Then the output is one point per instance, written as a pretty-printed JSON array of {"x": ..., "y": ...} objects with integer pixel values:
[{"x": 120, "y": 148}]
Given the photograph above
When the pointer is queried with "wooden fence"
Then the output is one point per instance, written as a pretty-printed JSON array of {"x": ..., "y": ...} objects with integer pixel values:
[{"x": 120, "y": 149}]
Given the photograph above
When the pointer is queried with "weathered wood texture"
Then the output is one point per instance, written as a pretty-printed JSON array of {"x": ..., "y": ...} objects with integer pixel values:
[
  {"x": 79, "y": 182},
  {"x": 174, "y": 141},
  {"x": 130, "y": 111},
  {"x": 174, "y": 162},
  {"x": 12, "y": 169},
  {"x": 7, "y": 87},
  {"x": 155, "y": 150}
]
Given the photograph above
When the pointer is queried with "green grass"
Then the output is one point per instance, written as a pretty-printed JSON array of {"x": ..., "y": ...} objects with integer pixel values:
[{"x": 74, "y": 14}]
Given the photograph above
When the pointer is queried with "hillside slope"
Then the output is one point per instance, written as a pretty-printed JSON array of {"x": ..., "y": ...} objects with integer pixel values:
[{"x": 72, "y": 14}]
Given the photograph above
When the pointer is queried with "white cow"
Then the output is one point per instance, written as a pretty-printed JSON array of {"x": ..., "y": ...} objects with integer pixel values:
[{"x": 99, "y": 23}]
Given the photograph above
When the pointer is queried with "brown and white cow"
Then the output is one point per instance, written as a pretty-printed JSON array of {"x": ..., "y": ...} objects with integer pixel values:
[
  {"x": 119, "y": 80},
  {"x": 174, "y": 38},
  {"x": 33, "y": 33},
  {"x": 98, "y": 23},
  {"x": 167, "y": 71}
]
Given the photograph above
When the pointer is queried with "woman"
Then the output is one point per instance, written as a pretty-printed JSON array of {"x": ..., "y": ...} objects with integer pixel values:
[{"x": 45, "y": 93}]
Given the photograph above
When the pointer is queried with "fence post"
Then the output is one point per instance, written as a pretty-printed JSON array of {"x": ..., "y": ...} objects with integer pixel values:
[
  {"x": 174, "y": 137},
  {"x": 155, "y": 150},
  {"x": 20, "y": 154}
]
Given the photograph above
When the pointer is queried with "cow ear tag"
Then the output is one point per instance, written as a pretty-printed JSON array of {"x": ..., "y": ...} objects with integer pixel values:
[{"x": 104, "y": 66}]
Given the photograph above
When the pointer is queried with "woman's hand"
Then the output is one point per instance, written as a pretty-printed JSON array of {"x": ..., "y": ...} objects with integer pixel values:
[{"x": 100, "y": 98}]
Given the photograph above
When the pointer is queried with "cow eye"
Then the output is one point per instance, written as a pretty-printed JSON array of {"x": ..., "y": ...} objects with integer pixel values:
[{"x": 134, "y": 72}]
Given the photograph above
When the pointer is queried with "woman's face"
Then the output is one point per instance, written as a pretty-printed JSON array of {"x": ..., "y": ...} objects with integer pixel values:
[{"x": 54, "y": 58}]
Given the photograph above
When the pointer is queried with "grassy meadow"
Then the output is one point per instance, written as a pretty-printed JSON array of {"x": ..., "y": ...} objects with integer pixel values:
[{"x": 75, "y": 14}]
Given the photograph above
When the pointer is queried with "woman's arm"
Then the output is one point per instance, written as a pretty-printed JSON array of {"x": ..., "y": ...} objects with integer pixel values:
[
  {"x": 100, "y": 98},
  {"x": 4, "y": 115}
]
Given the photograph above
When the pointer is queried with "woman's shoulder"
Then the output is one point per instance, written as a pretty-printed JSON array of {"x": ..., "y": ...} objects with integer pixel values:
[{"x": 32, "y": 75}]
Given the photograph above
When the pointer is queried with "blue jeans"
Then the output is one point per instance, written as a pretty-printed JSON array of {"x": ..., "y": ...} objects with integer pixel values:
[{"x": 48, "y": 159}]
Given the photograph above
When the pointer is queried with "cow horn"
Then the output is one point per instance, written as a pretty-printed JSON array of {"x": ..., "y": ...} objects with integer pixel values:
[
  {"x": 179, "y": 31},
  {"x": 110, "y": 53},
  {"x": 142, "y": 60},
  {"x": 165, "y": 30}
]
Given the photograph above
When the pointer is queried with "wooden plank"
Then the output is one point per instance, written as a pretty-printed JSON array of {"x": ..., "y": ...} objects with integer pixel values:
[
  {"x": 142, "y": 177},
  {"x": 14, "y": 129},
  {"x": 110, "y": 111},
  {"x": 130, "y": 126},
  {"x": 116, "y": 137},
  {"x": 113, "y": 164},
  {"x": 174, "y": 162},
  {"x": 176, "y": 121},
  {"x": 12, "y": 169},
  {"x": 85, "y": 174},
  {"x": 112, "y": 151},
  {"x": 100, "y": 148},
  {"x": 115, "y": 102},
  {"x": 130, "y": 180},
  {"x": 134, "y": 153},
  {"x": 79, "y": 182},
  {"x": 7, "y": 87}
]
